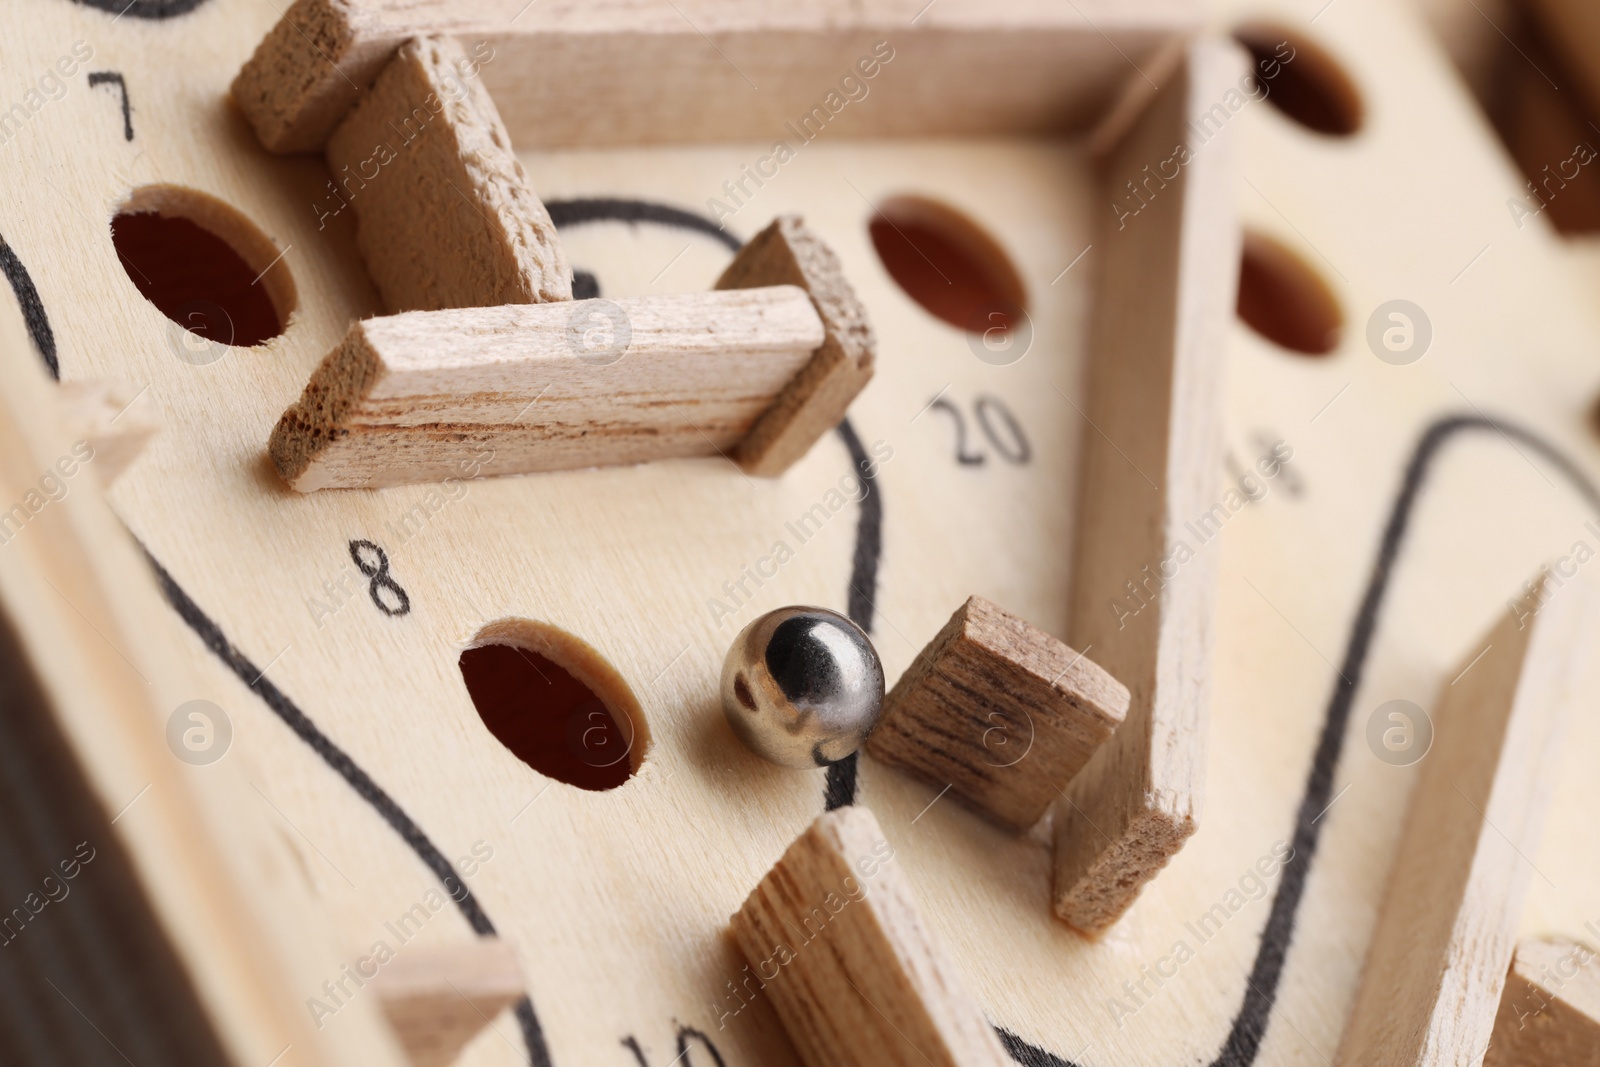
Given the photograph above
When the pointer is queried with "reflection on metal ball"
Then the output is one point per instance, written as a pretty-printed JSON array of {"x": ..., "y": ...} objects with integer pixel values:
[{"x": 802, "y": 686}]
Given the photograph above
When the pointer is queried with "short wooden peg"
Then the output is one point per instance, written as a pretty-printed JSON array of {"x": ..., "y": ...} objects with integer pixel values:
[
  {"x": 97, "y": 413},
  {"x": 446, "y": 215},
  {"x": 789, "y": 253},
  {"x": 438, "y": 999},
  {"x": 834, "y": 936},
  {"x": 1001, "y": 712}
]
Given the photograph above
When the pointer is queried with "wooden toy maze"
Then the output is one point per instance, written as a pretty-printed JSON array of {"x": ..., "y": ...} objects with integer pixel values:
[{"x": 407, "y": 405}]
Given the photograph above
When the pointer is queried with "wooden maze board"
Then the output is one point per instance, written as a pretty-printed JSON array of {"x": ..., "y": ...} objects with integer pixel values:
[{"x": 617, "y": 902}]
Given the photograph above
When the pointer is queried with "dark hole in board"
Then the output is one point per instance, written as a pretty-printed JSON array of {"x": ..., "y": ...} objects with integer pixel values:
[
  {"x": 1284, "y": 300},
  {"x": 1302, "y": 80},
  {"x": 947, "y": 263},
  {"x": 547, "y": 718},
  {"x": 195, "y": 278}
]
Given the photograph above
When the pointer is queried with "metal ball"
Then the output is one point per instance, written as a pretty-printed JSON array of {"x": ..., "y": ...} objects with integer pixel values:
[{"x": 802, "y": 686}]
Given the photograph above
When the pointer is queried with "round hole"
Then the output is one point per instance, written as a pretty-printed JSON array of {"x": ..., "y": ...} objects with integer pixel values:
[
  {"x": 204, "y": 265},
  {"x": 948, "y": 264},
  {"x": 1284, "y": 300},
  {"x": 555, "y": 703},
  {"x": 1302, "y": 79}
]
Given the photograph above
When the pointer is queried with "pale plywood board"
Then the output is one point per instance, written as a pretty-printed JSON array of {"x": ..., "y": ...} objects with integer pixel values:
[{"x": 562, "y": 548}]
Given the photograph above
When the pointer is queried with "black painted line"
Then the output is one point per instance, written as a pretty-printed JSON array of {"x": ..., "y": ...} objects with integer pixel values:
[
  {"x": 358, "y": 779},
  {"x": 154, "y": 10},
  {"x": 1261, "y": 991},
  {"x": 612, "y": 209},
  {"x": 1029, "y": 1055},
  {"x": 38, "y": 323},
  {"x": 841, "y": 787}
]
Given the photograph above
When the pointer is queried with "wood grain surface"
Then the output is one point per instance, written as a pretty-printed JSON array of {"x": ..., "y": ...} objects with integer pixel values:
[{"x": 616, "y": 902}]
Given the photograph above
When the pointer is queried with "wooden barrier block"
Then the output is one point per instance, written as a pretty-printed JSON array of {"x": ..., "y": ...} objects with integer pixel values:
[
  {"x": 616, "y": 73},
  {"x": 97, "y": 413},
  {"x": 434, "y": 395},
  {"x": 438, "y": 999},
  {"x": 789, "y": 253},
  {"x": 446, "y": 215},
  {"x": 1550, "y": 1010},
  {"x": 1001, "y": 712},
  {"x": 1447, "y": 926},
  {"x": 833, "y": 934},
  {"x": 1152, "y": 444}
]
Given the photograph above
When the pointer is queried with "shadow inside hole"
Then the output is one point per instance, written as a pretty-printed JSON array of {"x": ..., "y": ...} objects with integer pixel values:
[
  {"x": 551, "y": 719},
  {"x": 1285, "y": 300},
  {"x": 1302, "y": 79},
  {"x": 948, "y": 264},
  {"x": 203, "y": 265}
]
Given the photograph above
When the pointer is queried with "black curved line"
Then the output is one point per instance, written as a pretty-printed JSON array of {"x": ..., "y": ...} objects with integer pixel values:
[
  {"x": 613, "y": 209},
  {"x": 1261, "y": 991},
  {"x": 143, "y": 9},
  {"x": 1243, "y": 1042},
  {"x": 1029, "y": 1055},
  {"x": 358, "y": 779},
  {"x": 38, "y": 323},
  {"x": 840, "y": 790}
]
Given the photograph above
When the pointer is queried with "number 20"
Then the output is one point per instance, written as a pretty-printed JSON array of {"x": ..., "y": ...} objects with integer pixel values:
[{"x": 1011, "y": 443}]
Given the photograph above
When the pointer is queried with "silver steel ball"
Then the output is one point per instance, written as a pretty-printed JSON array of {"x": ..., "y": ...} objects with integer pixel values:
[{"x": 802, "y": 686}]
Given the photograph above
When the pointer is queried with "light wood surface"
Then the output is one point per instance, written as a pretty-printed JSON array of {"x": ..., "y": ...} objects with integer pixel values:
[
  {"x": 1000, "y": 713},
  {"x": 431, "y": 396},
  {"x": 832, "y": 936},
  {"x": 815, "y": 399},
  {"x": 1447, "y": 927},
  {"x": 439, "y": 999},
  {"x": 617, "y": 901},
  {"x": 446, "y": 217},
  {"x": 1550, "y": 1010},
  {"x": 1143, "y": 593},
  {"x": 630, "y": 72}
]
